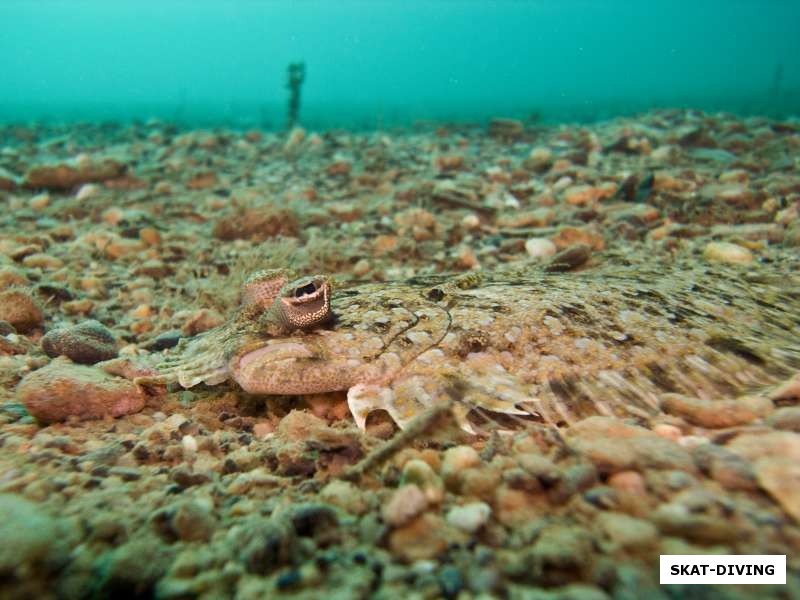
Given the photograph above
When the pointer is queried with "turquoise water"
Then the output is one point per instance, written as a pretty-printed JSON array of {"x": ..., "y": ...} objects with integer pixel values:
[{"x": 372, "y": 64}]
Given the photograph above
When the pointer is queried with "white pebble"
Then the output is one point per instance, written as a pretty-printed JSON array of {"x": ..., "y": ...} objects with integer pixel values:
[
  {"x": 470, "y": 517},
  {"x": 87, "y": 190},
  {"x": 189, "y": 444},
  {"x": 470, "y": 222},
  {"x": 540, "y": 247},
  {"x": 727, "y": 253},
  {"x": 406, "y": 503}
]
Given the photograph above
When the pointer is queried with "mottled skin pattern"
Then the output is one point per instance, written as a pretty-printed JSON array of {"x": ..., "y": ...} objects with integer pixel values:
[{"x": 554, "y": 346}]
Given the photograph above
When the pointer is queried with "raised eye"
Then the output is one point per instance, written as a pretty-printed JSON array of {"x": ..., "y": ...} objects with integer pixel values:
[
  {"x": 303, "y": 303},
  {"x": 305, "y": 290}
]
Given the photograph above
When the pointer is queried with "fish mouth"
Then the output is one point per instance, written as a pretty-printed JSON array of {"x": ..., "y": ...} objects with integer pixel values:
[{"x": 272, "y": 353}]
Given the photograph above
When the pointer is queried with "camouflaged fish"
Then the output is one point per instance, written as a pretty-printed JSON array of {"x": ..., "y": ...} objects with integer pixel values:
[{"x": 526, "y": 343}]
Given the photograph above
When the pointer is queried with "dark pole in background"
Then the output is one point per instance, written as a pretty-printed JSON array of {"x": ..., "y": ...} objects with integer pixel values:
[{"x": 296, "y": 75}]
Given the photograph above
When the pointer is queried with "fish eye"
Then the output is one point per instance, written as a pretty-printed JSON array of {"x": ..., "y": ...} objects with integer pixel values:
[{"x": 305, "y": 290}]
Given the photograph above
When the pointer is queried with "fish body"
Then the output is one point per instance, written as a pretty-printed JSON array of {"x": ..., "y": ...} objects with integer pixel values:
[{"x": 524, "y": 342}]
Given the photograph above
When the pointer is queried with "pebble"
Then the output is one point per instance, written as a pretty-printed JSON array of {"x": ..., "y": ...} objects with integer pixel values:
[
  {"x": 470, "y": 517},
  {"x": 87, "y": 191},
  {"x": 755, "y": 446},
  {"x": 456, "y": 460},
  {"x": 29, "y": 535},
  {"x": 677, "y": 519},
  {"x": 40, "y": 260},
  {"x": 20, "y": 309},
  {"x": 733, "y": 193},
  {"x": 39, "y": 201},
  {"x": 630, "y": 482},
  {"x": 780, "y": 477},
  {"x": 163, "y": 341},
  {"x": 62, "y": 390},
  {"x": 726, "y": 467},
  {"x": 11, "y": 277},
  {"x": 613, "y": 445},
  {"x": 627, "y": 532},
  {"x": 344, "y": 495},
  {"x": 193, "y": 520},
  {"x": 67, "y": 175},
  {"x": 570, "y": 258},
  {"x": 88, "y": 342},
  {"x": 361, "y": 268},
  {"x": 424, "y": 538},
  {"x": 539, "y": 159},
  {"x": 420, "y": 473},
  {"x": 540, "y": 247},
  {"x": 406, "y": 502},
  {"x": 451, "y": 581},
  {"x": 786, "y": 418},
  {"x": 727, "y": 253},
  {"x": 717, "y": 414},
  {"x": 561, "y": 554}
]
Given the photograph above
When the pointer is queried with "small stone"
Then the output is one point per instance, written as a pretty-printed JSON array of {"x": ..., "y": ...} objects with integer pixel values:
[
  {"x": 506, "y": 129},
  {"x": 361, "y": 268},
  {"x": 630, "y": 482},
  {"x": 471, "y": 222},
  {"x": 263, "y": 429},
  {"x": 405, "y": 504},
  {"x": 579, "y": 195},
  {"x": 727, "y": 468},
  {"x": 420, "y": 473},
  {"x": 540, "y": 217},
  {"x": 40, "y": 260},
  {"x": 8, "y": 181},
  {"x": 450, "y": 581},
  {"x": 780, "y": 477},
  {"x": 717, "y": 414},
  {"x": 470, "y": 517},
  {"x": 424, "y": 538},
  {"x": 150, "y": 236},
  {"x": 39, "y": 201},
  {"x": 88, "y": 342},
  {"x": 727, "y": 253},
  {"x": 189, "y": 443},
  {"x": 668, "y": 431},
  {"x": 339, "y": 168},
  {"x": 194, "y": 521},
  {"x": 786, "y": 418},
  {"x": 755, "y": 446},
  {"x": 540, "y": 247},
  {"x": 456, "y": 460},
  {"x": 163, "y": 341},
  {"x": 733, "y": 193},
  {"x": 62, "y": 389},
  {"x": 67, "y": 175},
  {"x": 344, "y": 495},
  {"x": 678, "y": 520},
  {"x": 570, "y": 258},
  {"x": 562, "y": 553},
  {"x": 613, "y": 446},
  {"x": 11, "y": 277},
  {"x": 28, "y": 533},
  {"x": 20, "y": 309},
  {"x": 627, "y": 532},
  {"x": 87, "y": 191},
  {"x": 539, "y": 159}
]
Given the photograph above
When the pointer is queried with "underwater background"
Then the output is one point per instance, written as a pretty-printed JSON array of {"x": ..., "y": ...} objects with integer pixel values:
[
  {"x": 373, "y": 64},
  {"x": 373, "y": 300}
]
